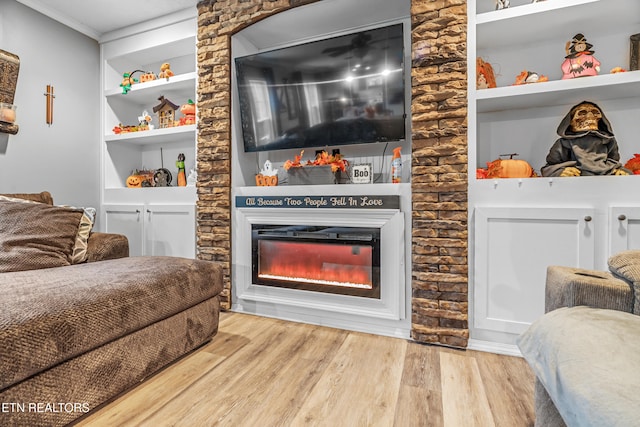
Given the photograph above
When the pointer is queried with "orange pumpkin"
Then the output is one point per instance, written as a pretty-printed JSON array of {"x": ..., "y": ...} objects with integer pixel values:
[
  {"x": 188, "y": 109},
  {"x": 135, "y": 181},
  {"x": 509, "y": 168}
]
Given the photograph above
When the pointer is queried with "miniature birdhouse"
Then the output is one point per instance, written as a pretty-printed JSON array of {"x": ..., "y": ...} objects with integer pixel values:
[{"x": 166, "y": 111}]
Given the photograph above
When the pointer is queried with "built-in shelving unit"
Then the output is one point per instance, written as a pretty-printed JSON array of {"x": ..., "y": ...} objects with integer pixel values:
[
  {"x": 156, "y": 220},
  {"x": 157, "y": 147},
  {"x": 532, "y": 36},
  {"x": 520, "y": 226}
]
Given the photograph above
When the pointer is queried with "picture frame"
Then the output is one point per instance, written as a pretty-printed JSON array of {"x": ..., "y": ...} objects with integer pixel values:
[{"x": 634, "y": 57}]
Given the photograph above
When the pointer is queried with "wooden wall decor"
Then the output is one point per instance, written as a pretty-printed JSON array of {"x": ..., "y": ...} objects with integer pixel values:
[
  {"x": 49, "y": 104},
  {"x": 9, "y": 67}
]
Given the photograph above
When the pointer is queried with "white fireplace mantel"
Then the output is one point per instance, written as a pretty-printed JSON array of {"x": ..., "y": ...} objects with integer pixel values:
[{"x": 384, "y": 316}]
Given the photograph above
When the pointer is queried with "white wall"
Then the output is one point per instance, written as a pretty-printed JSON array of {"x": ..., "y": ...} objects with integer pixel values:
[{"x": 63, "y": 158}]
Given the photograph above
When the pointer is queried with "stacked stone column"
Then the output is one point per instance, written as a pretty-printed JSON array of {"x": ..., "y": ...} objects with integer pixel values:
[{"x": 439, "y": 172}]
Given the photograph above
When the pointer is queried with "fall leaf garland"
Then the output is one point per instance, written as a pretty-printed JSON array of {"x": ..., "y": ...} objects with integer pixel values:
[{"x": 336, "y": 161}]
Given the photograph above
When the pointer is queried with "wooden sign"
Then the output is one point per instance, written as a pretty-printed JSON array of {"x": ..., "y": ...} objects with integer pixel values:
[
  {"x": 9, "y": 67},
  {"x": 361, "y": 174}
]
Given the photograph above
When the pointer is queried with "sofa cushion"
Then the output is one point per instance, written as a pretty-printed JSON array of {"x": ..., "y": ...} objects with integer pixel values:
[
  {"x": 36, "y": 235},
  {"x": 59, "y": 313},
  {"x": 43, "y": 197},
  {"x": 588, "y": 360},
  {"x": 626, "y": 265}
]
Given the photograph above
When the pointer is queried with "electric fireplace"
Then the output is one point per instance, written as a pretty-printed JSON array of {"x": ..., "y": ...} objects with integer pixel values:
[{"x": 337, "y": 260}]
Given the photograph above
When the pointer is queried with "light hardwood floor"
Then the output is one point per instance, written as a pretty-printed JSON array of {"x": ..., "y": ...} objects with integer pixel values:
[{"x": 265, "y": 372}]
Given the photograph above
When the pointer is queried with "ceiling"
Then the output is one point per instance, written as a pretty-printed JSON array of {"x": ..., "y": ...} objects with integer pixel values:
[{"x": 97, "y": 18}]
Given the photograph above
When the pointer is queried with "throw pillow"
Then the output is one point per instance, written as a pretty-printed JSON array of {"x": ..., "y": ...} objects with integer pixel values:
[
  {"x": 36, "y": 235},
  {"x": 80, "y": 246}
]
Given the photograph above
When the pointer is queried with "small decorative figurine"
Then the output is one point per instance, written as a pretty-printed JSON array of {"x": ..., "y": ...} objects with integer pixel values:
[
  {"x": 268, "y": 176},
  {"x": 579, "y": 61},
  {"x": 192, "y": 178},
  {"x": 147, "y": 76},
  {"x": 484, "y": 75},
  {"x": 587, "y": 145},
  {"x": 144, "y": 121},
  {"x": 502, "y": 4},
  {"x": 527, "y": 77},
  {"x": 188, "y": 111},
  {"x": 162, "y": 178},
  {"x": 182, "y": 180},
  {"x": 166, "y": 111},
  {"x": 165, "y": 71},
  {"x": 127, "y": 81}
]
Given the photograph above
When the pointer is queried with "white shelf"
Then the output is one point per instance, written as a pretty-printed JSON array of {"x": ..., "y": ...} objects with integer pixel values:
[
  {"x": 151, "y": 195},
  {"x": 559, "y": 92},
  {"x": 142, "y": 92},
  {"x": 521, "y": 25},
  {"x": 154, "y": 136}
]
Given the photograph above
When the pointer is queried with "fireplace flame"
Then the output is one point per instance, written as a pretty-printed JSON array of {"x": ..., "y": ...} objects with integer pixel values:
[
  {"x": 316, "y": 281},
  {"x": 317, "y": 263}
]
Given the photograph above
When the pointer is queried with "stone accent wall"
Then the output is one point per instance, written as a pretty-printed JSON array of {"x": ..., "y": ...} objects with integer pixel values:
[
  {"x": 439, "y": 154},
  {"x": 439, "y": 172}
]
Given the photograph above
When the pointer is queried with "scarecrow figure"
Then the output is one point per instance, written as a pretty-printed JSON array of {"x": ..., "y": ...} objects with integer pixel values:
[
  {"x": 579, "y": 61},
  {"x": 587, "y": 145}
]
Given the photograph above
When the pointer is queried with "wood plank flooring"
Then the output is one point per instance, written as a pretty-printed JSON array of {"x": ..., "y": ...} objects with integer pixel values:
[{"x": 266, "y": 372}]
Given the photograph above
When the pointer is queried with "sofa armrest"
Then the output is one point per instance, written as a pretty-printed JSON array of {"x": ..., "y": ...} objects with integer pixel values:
[
  {"x": 569, "y": 287},
  {"x": 104, "y": 246}
]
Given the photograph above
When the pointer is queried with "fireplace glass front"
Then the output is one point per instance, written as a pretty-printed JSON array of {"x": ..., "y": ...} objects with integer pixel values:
[{"x": 339, "y": 260}]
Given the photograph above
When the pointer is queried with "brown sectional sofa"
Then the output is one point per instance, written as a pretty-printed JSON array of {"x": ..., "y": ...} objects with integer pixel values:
[{"x": 74, "y": 337}]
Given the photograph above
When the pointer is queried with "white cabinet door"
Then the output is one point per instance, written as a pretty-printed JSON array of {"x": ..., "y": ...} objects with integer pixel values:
[
  {"x": 170, "y": 230},
  {"x": 127, "y": 220},
  {"x": 513, "y": 248},
  {"x": 624, "y": 228}
]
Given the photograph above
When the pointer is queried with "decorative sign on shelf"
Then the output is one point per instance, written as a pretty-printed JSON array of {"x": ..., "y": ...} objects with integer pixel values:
[
  {"x": 361, "y": 174},
  {"x": 334, "y": 202}
]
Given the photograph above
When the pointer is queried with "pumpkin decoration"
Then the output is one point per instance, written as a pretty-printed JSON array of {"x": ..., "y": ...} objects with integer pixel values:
[
  {"x": 135, "y": 181},
  {"x": 147, "y": 77},
  {"x": 266, "y": 180},
  {"x": 509, "y": 168},
  {"x": 188, "y": 111}
]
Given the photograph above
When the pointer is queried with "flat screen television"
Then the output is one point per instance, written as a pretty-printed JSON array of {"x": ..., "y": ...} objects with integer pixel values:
[{"x": 342, "y": 90}]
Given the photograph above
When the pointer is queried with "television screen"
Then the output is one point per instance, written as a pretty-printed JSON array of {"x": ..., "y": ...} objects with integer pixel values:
[{"x": 338, "y": 91}]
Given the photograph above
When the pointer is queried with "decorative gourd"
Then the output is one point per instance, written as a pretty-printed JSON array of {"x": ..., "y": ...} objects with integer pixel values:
[
  {"x": 135, "y": 181},
  {"x": 633, "y": 164},
  {"x": 509, "y": 168}
]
